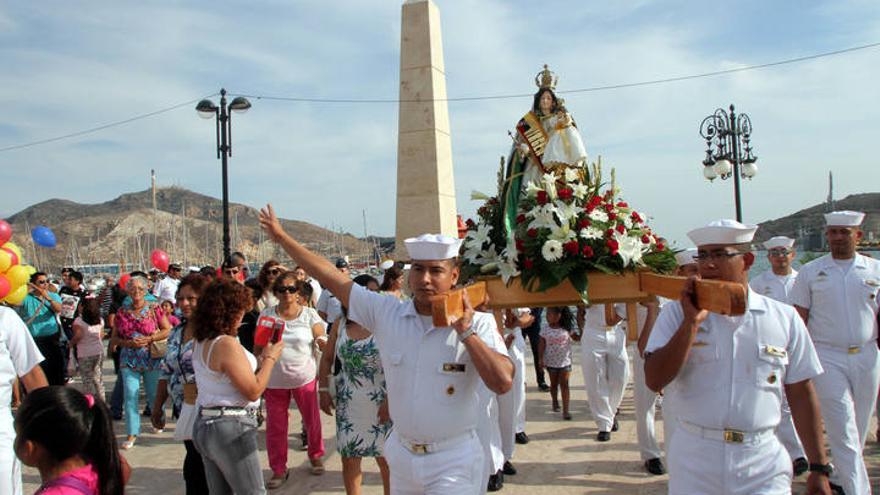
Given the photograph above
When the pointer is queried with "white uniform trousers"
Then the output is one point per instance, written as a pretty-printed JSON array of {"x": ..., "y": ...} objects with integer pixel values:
[
  {"x": 606, "y": 371},
  {"x": 456, "y": 468},
  {"x": 646, "y": 406},
  {"x": 704, "y": 466},
  {"x": 847, "y": 393},
  {"x": 489, "y": 434},
  {"x": 10, "y": 466},
  {"x": 512, "y": 405},
  {"x": 788, "y": 434}
]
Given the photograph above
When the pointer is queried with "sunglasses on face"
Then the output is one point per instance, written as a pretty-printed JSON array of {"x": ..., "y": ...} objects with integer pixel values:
[
  {"x": 41, "y": 282},
  {"x": 275, "y": 271},
  {"x": 290, "y": 289},
  {"x": 714, "y": 256}
]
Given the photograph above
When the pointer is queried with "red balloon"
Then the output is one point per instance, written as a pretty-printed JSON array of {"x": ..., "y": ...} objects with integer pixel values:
[
  {"x": 5, "y": 287},
  {"x": 12, "y": 255},
  {"x": 160, "y": 260},
  {"x": 5, "y": 232},
  {"x": 123, "y": 280}
]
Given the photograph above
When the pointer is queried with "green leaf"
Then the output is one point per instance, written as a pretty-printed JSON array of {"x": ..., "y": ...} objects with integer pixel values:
[{"x": 580, "y": 282}]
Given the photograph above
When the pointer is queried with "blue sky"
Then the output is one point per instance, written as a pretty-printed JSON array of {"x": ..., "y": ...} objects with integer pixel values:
[{"x": 70, "y": 68}]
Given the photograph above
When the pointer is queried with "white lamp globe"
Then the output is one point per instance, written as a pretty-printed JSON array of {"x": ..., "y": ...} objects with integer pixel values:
[
  {"x": 749, "y": 170},
  {"x": 709, "y": 172},
  {"x": 723, "y": 167}
]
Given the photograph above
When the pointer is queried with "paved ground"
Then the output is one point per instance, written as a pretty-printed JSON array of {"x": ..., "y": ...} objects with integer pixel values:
[{"x": 562, "y": 458}]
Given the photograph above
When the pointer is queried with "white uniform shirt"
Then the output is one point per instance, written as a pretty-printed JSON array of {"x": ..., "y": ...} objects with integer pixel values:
[
  {"x": 432, "y": 383},
  {"x": 18, "y": 356},
  {"x": 166, "y": 289},
  {"x": 843, "y": 306},
  {"x": 329, "y": 304},
  {"x": 777, "y": 287},
  {"x": 737, "y": 365}
]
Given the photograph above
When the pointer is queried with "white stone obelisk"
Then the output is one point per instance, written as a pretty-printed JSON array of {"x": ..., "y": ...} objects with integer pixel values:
[{"x": 425, "y": 184}]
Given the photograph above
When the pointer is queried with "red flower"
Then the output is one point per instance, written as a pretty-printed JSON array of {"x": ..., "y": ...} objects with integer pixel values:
[
  {"x": 565, "y": 193},
  {"x": 532, "y": 232},
  {"x": 636, "y": 217},
  {"x": 528, "y": 264},
  {"x": 595, "y": 201},
  {"x": 613, "y": 246},
  {"x": 609, "y": 207},
  {"x": 520, "y": 245},
  {"x": 609, "y": 233},
  {"x": 470, "y": 224},
  {"x": 520, "y": 218},
  {"x": 571, "y": 247},
  {"x": 646, "y": 239},
  {"x": 542, "y": 197},
  {"x": 587, "y": 252},
  {"x": 584, "y": 223},
  {"x": 621, "y": 228},
  {"x": 492, "y": 200},
  {"x": 622, "y": 204},
  {"x": 660, "y": 246}
]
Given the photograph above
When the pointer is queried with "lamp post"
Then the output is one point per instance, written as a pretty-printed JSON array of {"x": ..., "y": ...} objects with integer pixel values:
[
  {"x": 223, "y": 115},
  {"x": 728, "y": 150}
]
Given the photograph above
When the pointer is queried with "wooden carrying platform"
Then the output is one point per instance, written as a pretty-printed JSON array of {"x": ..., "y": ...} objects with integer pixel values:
[{"x": 718, "y": 297}]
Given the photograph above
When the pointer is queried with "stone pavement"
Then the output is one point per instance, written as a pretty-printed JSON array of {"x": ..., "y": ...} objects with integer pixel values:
[{"x": 563, "y": 457}]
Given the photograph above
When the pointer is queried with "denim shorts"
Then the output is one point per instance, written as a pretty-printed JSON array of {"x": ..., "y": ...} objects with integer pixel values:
[{"x": 564, "y": 368}]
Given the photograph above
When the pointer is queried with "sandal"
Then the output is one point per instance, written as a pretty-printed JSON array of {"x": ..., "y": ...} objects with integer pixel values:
[
  {"x": 317, "y": 467},
  {"x": 128, "y": 443},
  {"x": 277, "y": 480}
]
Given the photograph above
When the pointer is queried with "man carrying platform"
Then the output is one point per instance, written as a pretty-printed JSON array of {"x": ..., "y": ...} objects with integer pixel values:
[
  {"x": 725, "y": 375},
  {"x": 432, "y": 373}
]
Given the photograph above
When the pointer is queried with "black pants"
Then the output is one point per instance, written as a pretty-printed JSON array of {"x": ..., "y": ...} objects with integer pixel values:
[
  {"x": 532, "y": 334},
  {"x": 54, "y": 363},
  {"x": 194, "y": 470}
]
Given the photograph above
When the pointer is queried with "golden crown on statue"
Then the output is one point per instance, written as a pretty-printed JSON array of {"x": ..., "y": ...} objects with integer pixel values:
[{"x": 546, "y": 79}]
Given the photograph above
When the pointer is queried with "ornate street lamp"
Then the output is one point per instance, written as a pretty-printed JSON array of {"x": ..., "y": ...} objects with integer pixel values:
[
  {"x": 728, "y": 150},
  {"x": 223, "y": 115}
]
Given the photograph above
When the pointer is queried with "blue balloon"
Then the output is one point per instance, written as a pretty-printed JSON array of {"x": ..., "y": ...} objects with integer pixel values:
[{"x": 43, "y": 236}]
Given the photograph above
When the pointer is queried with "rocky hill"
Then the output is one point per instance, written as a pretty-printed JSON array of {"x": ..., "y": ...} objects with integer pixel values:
[
  {"x": 808, "y": 224},
  {"x": 187, "y": 225}
]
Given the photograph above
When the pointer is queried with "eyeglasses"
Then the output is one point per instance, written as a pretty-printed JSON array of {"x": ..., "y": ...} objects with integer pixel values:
[
  {"x": 290, "y": 289},
  {"x": 41, "y": 282},
  {"x": 275, "y": 271},
  {"x": 706, "y": 257},
  {"x": 778, "y": 252}
]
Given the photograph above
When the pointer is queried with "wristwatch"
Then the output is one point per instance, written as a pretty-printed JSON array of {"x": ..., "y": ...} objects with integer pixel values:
[
  {"x": 467, "y": 333},
  {"x": 825, "y": 469}
]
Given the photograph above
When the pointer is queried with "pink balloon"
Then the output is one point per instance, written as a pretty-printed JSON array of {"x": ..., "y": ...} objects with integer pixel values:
[
  {"x": 160, "y": 260},
  {"x": 123, "y": 280},
  {"x": 5, "y": 287},
  {"x": 5, "y": 232}
]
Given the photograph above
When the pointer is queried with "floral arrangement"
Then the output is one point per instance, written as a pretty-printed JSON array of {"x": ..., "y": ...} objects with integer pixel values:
[{"x": 566, "y": 226}]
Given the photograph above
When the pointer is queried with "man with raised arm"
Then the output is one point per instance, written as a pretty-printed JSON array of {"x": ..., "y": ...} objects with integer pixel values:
[
  {"x": 725, "y": 376},
  {"x": 432, "y": 373}
]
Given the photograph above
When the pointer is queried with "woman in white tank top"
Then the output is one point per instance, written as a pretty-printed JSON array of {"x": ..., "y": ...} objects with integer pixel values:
[{"x": 230, "y": 384}]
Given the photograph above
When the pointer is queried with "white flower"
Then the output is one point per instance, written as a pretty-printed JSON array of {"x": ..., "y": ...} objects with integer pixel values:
[
  {"x": 629, "y": 249},
  {"x": 543, "y": 217},
  {"x": 476, "y": 238},
  {"x": 571, "y": 174},
  {"x": 627, "y": 222},
  {"x": 471, "y": 255},
  {"x": 580, "y": 190},
  {"x": 488, "y": 255},
  {"x": 549, "y": 181},
  {"x": 591, "y": 233},
  {"x": 507, "y": 270},
  {"x": 561, "y": 234},
  {"x": 552, "y": 250},
  {"x": 532, "y": 189},
  {"x": 566, "y": 212},
  {"x": 598, "y": 215}
]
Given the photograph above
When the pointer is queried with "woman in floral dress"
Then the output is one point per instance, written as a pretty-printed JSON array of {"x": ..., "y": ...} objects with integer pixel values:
[{"x": 362, "y": 421}]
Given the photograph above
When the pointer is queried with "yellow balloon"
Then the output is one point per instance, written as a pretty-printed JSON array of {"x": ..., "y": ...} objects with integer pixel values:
[
  {"x": 5, "y": 261},
  {"x": 16, "y": 296},
  {"x": 18, "y": 276},
  {"x": 15, "y": 249},
  {"x": 30, "y": 270}
]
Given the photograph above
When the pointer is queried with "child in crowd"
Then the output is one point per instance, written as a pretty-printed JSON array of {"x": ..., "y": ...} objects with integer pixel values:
[
  {"x": 554, "y": 353},
  {"x": 88, "y": 335},
  {"x": 168, "y": 308},
  {"x": 69, "y": 438}
]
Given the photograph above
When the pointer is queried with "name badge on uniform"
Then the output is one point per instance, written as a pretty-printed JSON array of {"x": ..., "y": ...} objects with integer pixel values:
[
  {"x": 775, "y": 351},
  {"x": 699, "y": 343},
  {"x": 453, "y": 367}
]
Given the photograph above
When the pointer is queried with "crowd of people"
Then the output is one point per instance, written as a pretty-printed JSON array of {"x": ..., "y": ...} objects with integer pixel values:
[{"x": 441, "y": 410}]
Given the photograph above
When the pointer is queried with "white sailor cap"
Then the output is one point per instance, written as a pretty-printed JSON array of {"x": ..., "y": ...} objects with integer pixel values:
[
  {"x": 432, "y": 247},
  {"x": 686, "y": 257},
  {"x": 844, "y": 218},
  {"x": 779, "y": 241},
  {"x": 723, "y": 231}
]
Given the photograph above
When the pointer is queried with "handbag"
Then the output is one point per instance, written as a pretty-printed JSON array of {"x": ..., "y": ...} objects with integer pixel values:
[{"x": 158, "y": 348}]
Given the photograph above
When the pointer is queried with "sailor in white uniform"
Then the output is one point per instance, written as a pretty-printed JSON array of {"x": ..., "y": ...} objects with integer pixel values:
[
  {"x": 432, "y": 373},
  {"x": 726, "y": 375},
  {"x": 837, "y": 297},
  {"x": 604, "y": 364},
  {"x": 776, "y": 283},
  {"x": 644, "y": 398},
  {"x": 512, "y": 405}
]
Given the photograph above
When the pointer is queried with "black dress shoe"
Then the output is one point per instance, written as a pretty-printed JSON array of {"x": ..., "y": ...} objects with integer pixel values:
[
  {"x": 521, "y": 438},
  {"x": 543, "y": 387},
  {"x": 615, "y": 426},
  {"x": 799, "y": 466},
  {"x": 508, "y": 469},
  {"x": 837, "y": 489},
  {"x": 655, "y": 466},
  {"x": 603, "y": 436},
  {"x": 496, "y": 482}
]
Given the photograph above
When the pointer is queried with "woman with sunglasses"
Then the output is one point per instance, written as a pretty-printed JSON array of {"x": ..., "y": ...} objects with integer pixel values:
[
  {"x": 294, "y": 375},
  {"x": 39, "y": 310},
  {"x": 268, "y": 273}
]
